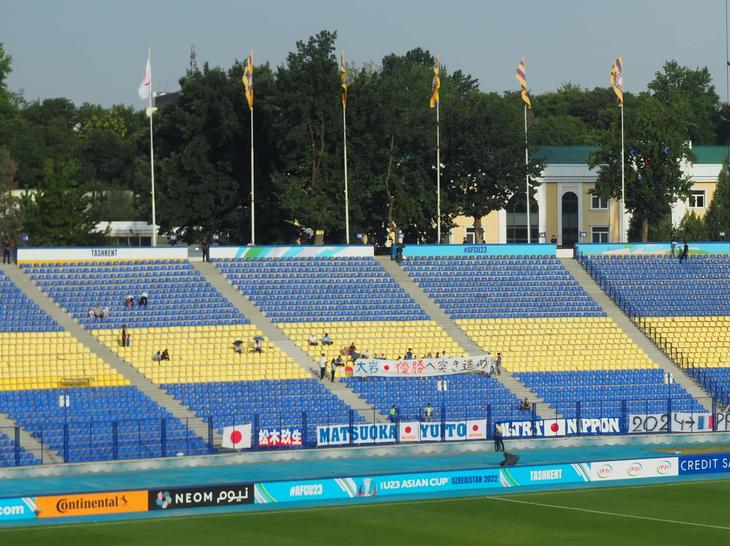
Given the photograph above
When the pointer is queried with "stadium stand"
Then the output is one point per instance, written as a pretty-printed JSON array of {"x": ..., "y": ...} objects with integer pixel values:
[
  {"x": 40, "y": 365},
  {"x": 683, "y": 306},
  {"x": 198, "y": 327},
  {"x": 551, "y": 334}
]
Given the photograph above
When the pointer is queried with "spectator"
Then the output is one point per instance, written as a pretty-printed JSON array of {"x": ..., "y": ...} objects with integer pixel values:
[
  {"x": 7, "y": 245},
  {"x": 553, "y": 240},
  {"x": 428, "y": 413},
  {"x": 351, "y": 349},
  {"x": 238, "y": 346},
  {"x": 438, "y": 355},
  {"x": 104, "y": 312},
  {"x": 399, "y": 254},
  {"x": 157, "y": 357},
  {"x": 205, "y": 248},
  {"x": 124, "y": 335},
  {"x": 97, "y": 312},
  {"x": 499, "y": 364},
  {"x": 339, "y": 361},
  {"x": 313, "y": 340},
  {"x": 525, "y": 405},
  {"x": 409, "y": 354},
  {"x": 498, "y": 435},
  {"x": 685, "y": 252},
  {"x": 165, "y": 355},
  {"x": 129, "y": 340},
  {"x": 322, "y": 366},
  {"x": 333, "y": 368},
  {"x": 143, "y": 299},
  {"x": 393, "y": 414},
  {"x": 326, "y": 339},
  {"x": 257, "y": 345},
  {"x": 129, "y": 301}
]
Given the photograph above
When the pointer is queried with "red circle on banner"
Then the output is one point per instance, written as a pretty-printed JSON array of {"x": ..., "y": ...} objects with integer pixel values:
[
  {"x": 475, "y": 427},
  {"x": 408, "y": 430},
  {"x": 554, "y": 427},
  {"x": 236, "y": 437},
  {"x": 386, "y": 367}
]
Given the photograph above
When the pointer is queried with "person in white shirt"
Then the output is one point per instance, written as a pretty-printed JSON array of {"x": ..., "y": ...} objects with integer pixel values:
[
  {"x": 313, "y": 340},
  {"x": 322, "y": 366},
  {"x": 143, "y": 299}
]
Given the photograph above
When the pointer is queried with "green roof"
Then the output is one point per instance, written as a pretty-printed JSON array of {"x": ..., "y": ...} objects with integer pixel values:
[
  {"x": 565, "y": 155},
  {"x": 578, "y": 155}
]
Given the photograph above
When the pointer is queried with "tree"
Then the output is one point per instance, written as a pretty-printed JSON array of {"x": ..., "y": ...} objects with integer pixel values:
[
  {"x": 656, "y": 146},
  {"x": 485, "y": 161},
  {"x": 692, "y": 91},
  {"x": 691, "y": 228},
  {"x": 10, "y": 220},
  {"x": 717, "y": 219},
  {"x": 59, "y": 213}
]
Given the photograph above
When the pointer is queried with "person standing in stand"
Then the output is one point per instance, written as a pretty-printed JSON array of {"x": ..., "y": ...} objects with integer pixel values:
[
  {"x": 7, "y": 245},
  {"x": 498, "y": 437},
  {"x": 333, "y": 368},
  {"x": 322, "y": 366}
]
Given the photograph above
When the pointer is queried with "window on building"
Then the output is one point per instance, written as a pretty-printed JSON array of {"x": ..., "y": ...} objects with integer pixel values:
[
  {"x": 470, "y": 236},
  {"x": 697, "y": 199},
  {"x": 598, "y": 203},
  {"x": 517, "y": 221},
  {"x": 599, "y": 234}
]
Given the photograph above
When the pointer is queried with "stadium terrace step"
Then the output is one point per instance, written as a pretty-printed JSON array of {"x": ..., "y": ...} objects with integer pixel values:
[
  {"x": 277, "y": 336},
  {"x": 457, "y": 334},
  {"x": 636, "y": 335},
  {"x": 92, "y": 343}
]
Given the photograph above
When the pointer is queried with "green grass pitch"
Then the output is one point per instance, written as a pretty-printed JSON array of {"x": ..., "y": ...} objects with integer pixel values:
[{"x": 694, "y": 513}]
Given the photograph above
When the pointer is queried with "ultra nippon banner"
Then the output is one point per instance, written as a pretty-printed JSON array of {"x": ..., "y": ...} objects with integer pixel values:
[
  {"x": 421, "y": 367},
  {"x": 418, "y": 483}
]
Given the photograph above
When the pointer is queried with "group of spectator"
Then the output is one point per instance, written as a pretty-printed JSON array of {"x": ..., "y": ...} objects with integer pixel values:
[
  {"x": 141, "y": 301},
  {"x": 256, "y": 345},
  {"x": 426, "y": 414},
  {"x": 160, "y": 356},
  {"x": 314, "y": 342}
]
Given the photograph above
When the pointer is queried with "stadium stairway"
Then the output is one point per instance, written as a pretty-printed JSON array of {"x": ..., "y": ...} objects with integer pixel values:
[
  {"x": 86, "y": 338},
  {"x": 631, "y": 330},
  {"x": 30, "y": 443},
  {"x": 457, "y": 334},
  {"x": 278, "y": 337}
]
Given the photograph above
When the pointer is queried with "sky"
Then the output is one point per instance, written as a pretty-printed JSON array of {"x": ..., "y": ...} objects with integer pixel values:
[{"x": 95, "y": 50}]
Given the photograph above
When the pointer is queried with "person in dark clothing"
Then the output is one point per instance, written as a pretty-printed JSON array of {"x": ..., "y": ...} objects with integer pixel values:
[
  {"x": 333, "y": 368},
  {"x": 206, "y": 250},
  {"x": 685, "y": 253},
  {"x": 124, "y": 335},
  {"x": 165, "y": 355},
  {"x": 498, "y": 435},
  {"x": 7, "y": 245}
]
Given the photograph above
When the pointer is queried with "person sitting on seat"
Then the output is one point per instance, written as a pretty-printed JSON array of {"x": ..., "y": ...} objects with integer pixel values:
[
  {"x": 156, "y": 357},
  {"x": 143, "y": 298},
  {"x": 257, "y": 346},
  {"x": 104, "y": 312},
  {"x": 124, "y": 335},
  {"x": 165, "y": 355},
  {"x": 313, "y": 340},
  {"x": 525, "y": 405},
  {"x": 129, "y": 301},
  {"x": 326, "y": 339},
  {"x": 238, "y": 346},
  {"x": 351, "y": 349}
]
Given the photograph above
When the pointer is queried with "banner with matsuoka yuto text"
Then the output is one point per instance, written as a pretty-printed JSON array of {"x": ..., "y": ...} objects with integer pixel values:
[{"x": 421, "y": 367}]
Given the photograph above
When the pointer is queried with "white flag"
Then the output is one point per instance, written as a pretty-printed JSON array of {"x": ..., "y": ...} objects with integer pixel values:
[
  {"x": 144, "y": 87},
  {"x": 237, "y": 437}
]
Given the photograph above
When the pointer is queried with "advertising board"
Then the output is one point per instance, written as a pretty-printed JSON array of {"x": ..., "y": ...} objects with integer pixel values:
[
  {"x": 303, "y": 251},
  {"x": 631, "y": 469},
  {"x": 411, "y": 251},
  {"x": 100, "y": 254},
  {"x": 17, "y": 509},
  {"x": 704, "y": 464},
  {"x": 419, "y": 483},
  {"x": 199, "y": 497},
  {"x": 91, "y": 504}
]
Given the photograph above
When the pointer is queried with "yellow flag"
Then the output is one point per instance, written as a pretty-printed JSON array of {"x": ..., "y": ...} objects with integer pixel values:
[
  {"x": 247, "y": 79},
  {"x": 343, "y": 79},
  {"x": 617, "y": 80},
  {"x": 435, "y": 86},
  {"x": 521, "y": 77}
]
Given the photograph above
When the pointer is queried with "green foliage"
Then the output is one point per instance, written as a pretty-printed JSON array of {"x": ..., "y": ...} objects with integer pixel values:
[
  {"x": 656, "y": 146},
  {"x": 485, "y": 163},
  {"x": 10, "y": 219},
  {"x": 59, "y": 213},
  {"x": 691, "y": 228},
  {"x": 717, "y": 219}
]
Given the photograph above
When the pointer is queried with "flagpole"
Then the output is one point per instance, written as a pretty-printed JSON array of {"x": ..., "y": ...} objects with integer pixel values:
[
  {"x": 623, "y": 183},
  {"x": 438, "y": 176},
  {"x": 347, "y": 200},
  {"x": 152, "y": 157},
  {"x": 527, "y": 178},
  {"x": 253, "y": 223}
]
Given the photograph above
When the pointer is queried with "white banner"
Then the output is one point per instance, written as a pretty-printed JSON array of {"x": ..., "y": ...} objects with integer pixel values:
[
  {"x": 632, "y": 469},
  {"x": 236, "y": 437},
  {"x": 421, "y": 367},
  {"x": 299, "y": 251},
  {"x": 561, "y": 427},
  {"x": 641, "y": 423},
  {"x": 415, "y": 431},
  {"x": 101, "y": 254}
]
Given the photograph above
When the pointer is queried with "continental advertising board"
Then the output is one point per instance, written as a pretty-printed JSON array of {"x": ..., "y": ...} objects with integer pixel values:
[{"x": 91, "y": 504}]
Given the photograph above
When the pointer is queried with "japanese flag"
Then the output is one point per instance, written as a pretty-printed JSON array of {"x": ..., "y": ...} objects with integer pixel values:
[
  {"x": 237, "y": 437},
  {"x": 476, "y": 429},
  {"x": 144, "y": 87},
  {"x": 553, "y": 427},
  {"x": 409, "y": 431}
]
